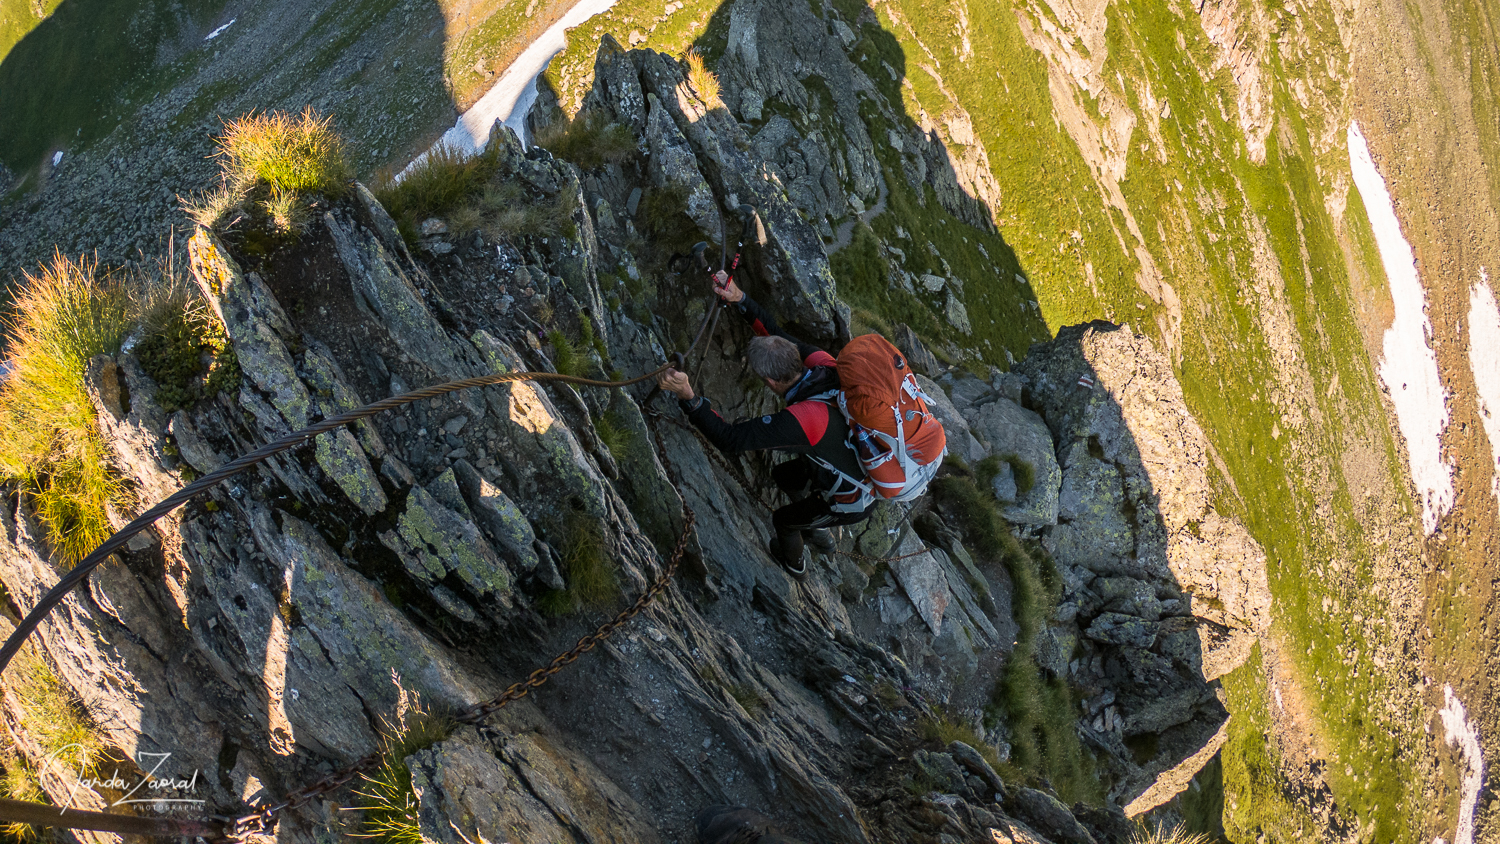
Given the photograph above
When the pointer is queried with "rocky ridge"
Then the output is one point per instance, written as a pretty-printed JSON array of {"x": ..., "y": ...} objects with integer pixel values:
[{"x": 254, "y": 637}]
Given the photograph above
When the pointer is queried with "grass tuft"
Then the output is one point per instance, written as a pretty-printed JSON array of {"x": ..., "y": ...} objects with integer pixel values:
[
  {"x": 591, "y": 578},
  {"x": 1024, "y": 473},
  {"x": 63, "y": 315},
  {"x": 386, "y": 795},
  {"x": 566, "y": 358},
  {"x": 704, "y": 82},
  {"x": 945, "y": 728},
  {"x": 1161, "y": 834},
  {"x": 589, "y": 141},
  {"x": 748, "y": 699},
  {"x": 277, "y": 163},
  {"x": 293, "y": 154},
  {"x": 19, "y": 782},
  {"x": 664, "y": 211},
  {"x": 52, "y": 714},
  {"x": 439, "y": 182}
]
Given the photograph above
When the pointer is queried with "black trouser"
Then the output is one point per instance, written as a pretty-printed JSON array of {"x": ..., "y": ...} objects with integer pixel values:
[{"x": 793, "y": 478}]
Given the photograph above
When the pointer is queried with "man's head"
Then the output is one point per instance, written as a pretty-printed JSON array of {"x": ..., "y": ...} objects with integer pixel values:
[{"x": 776, "y": 361}]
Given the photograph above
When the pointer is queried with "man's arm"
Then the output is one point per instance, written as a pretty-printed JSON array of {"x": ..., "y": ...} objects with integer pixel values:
[
  {"x": 763, "y": 323},
  {"x": 796, "y": 428}
]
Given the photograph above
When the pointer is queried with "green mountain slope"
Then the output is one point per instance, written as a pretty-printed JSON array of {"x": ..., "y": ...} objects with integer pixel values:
[{"x": 1138, "y": 181}]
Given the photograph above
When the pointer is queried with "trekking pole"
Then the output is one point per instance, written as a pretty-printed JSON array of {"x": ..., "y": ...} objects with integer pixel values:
[{"x": 748, "y": 212}]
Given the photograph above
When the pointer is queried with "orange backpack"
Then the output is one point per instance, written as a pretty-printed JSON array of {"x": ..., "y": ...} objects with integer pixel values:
[{"x": 900, "y": 444}]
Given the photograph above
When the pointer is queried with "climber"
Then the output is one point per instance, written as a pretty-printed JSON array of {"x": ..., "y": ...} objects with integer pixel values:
[{"x": 825, "y": 480}]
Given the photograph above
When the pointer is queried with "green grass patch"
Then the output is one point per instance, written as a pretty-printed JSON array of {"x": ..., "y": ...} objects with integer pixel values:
[
  {"x": 386, "y": 796},
  {"x": 1255, "y": 804},
  {"x": 589, "y": 141},
  {"x": 592, "y": 581},
  {"x": 63, "y": 315}
]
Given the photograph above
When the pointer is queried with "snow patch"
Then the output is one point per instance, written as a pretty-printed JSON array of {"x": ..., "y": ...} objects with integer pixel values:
[
  {"x": 1408, "y": 368},
  {"x": 1484, "y": 361},
  {"x": 57, "y": 158},
  {"x": 512, "y": 95},
  {"x": 215, "y": 34},
  {"x": 1464, "y": 737}
]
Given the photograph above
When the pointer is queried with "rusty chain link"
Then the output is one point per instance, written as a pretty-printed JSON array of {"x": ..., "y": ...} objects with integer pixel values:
[
  {"x": 734, "y": 471},
  {"x": 257, "y": 822}
]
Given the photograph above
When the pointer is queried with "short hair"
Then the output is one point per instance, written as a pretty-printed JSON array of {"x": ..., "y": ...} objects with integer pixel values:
[{"x": 775, "y": 358}]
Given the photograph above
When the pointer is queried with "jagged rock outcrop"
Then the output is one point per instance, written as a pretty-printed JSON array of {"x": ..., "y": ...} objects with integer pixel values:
[{"x": 257, "y": 634}]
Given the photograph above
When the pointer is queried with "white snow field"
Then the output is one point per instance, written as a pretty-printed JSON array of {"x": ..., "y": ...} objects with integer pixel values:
[
  {"x": 1462, "y": 735},
  {"x": 1484, "y": 361},
  {"x": 513, "y": 93},
  {"x": 1408, "y": 368}
]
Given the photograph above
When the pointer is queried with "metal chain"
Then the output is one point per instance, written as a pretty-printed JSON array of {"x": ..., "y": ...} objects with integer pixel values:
[
  {"x": 734, "y": 471},
  {"x": 479, "y": 712},
  {"x": 259, "y": 820},
  {"x": 715, "y": 455}
]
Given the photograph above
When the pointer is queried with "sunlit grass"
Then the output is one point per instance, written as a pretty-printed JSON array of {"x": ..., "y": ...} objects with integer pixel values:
[
  {"x": 386, "y": 794},
  {"x": 275, "y": 163},
  {"x": 63, "y": 315}
]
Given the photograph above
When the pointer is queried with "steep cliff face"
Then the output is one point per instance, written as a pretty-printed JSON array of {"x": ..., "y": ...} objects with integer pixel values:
[{"x": 255, "y": 635}]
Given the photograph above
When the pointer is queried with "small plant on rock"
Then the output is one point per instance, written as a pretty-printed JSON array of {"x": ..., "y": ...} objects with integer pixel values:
[
  {"x": 386, "y": 795},
  {"x": 589, "y": 141},
  {"x": 276, "y": 164},
  {"x": 704, "y": 82}
]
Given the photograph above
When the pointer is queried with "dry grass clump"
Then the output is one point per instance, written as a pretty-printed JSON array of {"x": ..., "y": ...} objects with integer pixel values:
[
  {"x": 276, "y": 164},
  {"x": 386, "y": 795},
  {"x": 52, "y": 714},
  {"x": 587, "y": 569},
  {"x": 62, "y": 316},
  {"x": 704, "y": 82},
  {"x": 588, "y": 141},
  {"x": 1161, "y": 834},
  {"x": 464, "y": 190}
]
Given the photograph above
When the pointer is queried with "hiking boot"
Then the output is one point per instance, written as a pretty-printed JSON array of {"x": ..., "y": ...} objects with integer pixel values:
[
  {"x": 794, "y": 563},
  {"x": 820, "y": 539}
]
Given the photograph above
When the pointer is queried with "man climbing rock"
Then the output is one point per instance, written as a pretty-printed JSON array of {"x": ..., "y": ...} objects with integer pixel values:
[{"x": 825, "y": 479}]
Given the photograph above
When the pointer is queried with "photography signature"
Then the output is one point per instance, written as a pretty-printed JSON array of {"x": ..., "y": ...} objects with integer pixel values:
[{"x": 154, "y": 787}]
